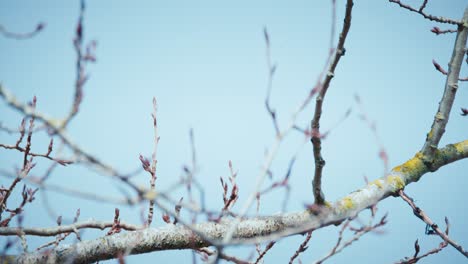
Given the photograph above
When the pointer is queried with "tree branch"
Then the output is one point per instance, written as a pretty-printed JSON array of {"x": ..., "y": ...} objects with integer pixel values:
[
  {"x": 425, "y": 15},
  {"x": 253, "y": 230},
  {"x": 425, "y": 218},
  {"x": 8, "y": 34},
  {"x": 57, "y": 129},
  {"x": 53, "y": 231},
  {"x": 315, "y": 124},
  {"x": 451, "y": 86}
]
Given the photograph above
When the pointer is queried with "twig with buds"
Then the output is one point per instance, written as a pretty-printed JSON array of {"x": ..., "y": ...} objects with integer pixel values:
[{"x": 433, "y": 226}]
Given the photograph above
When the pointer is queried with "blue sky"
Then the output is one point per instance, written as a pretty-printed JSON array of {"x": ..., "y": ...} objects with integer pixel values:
[{"x": 205, "y": 63}]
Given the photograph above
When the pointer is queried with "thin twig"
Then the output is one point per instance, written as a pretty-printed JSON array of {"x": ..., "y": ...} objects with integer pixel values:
[
  {"x": 56, "y": 129},
  {"x": 62, "y": 162},
  {"x": 415, "y": 258},
  {"x": 339, "y": 246},
  {"x": 14, "y": 35},
  {"x": 373, "y": 127},
  {"x": 27, "y": 163},
  {"x": 207, "y": 252},
  {"x": 425, "y": 218},
  {"x": 425, "y": 15},
  {"x": 53, "y": 231},
  {"x": 271, "y": 73},
  {"x": 438, "y": 31},
  {"x": 151, "y": 168},
  {"x": 444, "y": 72},
  {"x": 82, "y": 57},
  {"x": 263, "y": 253},
  {"x": 303, "y": 247}
]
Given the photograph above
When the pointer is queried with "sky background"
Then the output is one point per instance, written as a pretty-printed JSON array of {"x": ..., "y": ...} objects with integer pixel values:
[{"x": 205, "y": 63}]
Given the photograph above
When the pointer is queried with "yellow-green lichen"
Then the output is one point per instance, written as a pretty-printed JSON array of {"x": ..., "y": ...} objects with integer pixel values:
[
  {"x": 430, "y": 134},
  {"x": 460, "y": 147},
  {"x": 347, "y": 203},
  {"x": 378, "y": 184},
  {"x": 328, "y": 204},
  {"x": 396, "y": 181},
  {"x": 412, "y": 165}
]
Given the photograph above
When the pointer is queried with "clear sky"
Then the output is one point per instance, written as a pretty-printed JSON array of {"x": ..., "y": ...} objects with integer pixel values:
[{"x": 205, "y": 63}]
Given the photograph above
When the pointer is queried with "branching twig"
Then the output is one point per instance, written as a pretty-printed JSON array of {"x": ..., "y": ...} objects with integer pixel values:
[
  {"x": 27, "y": 163},
  {"x": 62, "y": 162},
  {"x": 263, "y": 253},
  {"x": 56, "y": 129},
  {"x": 425, "y": 218},
  {"x": 231, "y": 200},
  {"x": 415, "y": 258},
  {"x": 116, "y": 227},
  {"x": 27, "y": 195},
  {"x": 358, "y": 233},
  {"x": 82, "y": 57},
  {"x": 151, "y": 168},
  {"x": 60, "y": 237},
  {"x": 425, "y": 15},
  {"x": 303, "y": 247}
]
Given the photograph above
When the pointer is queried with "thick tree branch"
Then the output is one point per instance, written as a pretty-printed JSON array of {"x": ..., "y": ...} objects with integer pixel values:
[
  {"x": 451, "y": 86},
  {"x": 252, "y": 230}
]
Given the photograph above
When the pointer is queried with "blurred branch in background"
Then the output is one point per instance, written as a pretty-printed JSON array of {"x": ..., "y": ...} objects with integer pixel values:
[{"x": 190, "y": 224}]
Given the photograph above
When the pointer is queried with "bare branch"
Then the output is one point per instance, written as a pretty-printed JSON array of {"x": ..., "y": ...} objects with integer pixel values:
[
  {"x": 315, "y": 124},
  {"x": 60, "y": 161},
  {"x": 57, "y": 129},
  {"x": 221, "y": 255},
  {"x": 53, "y": 231},
  {"x": 425, "y": 15},
  {"x": 425, "y": 218},
  {"x": 8, "y": 34},
  {"x": 438, "y": 31},
  {"x": 451, "y": 86},
  {"x": 303, "y": 247},
  {"x": 82, "y": 57},
  {"x": 271, "y": 73},
  {"x": 262, "y": 254},
  {"x": 444, "y": 72},
  {"x": 254, "y": 230},
  {"x": 358, "y": 234},
  {"x": 415, "y": 258},
  {"x": 151, "y": 169}
]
